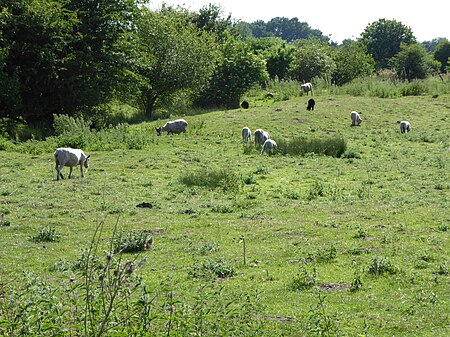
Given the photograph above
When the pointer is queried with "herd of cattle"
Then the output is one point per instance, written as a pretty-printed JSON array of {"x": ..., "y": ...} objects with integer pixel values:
[{"x": 73, "y": 157}]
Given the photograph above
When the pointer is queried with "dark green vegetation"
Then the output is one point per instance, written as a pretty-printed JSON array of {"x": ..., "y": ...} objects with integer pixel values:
[
  {"x": 242, "y": 244},
  {"x": 80, "y": 58}
]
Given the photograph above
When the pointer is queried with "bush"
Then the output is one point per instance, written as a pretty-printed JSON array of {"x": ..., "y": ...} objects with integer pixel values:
[
  {"x": 304, "y": 279},
  {"x": 414, "y": 88},
  {"x": 333, "y": 147},
  {"x": 381, "y": 265},
  {"x": 132, "y": 242},
  {"x": 46, "y": 234},
  {"x": 212, "y": 269}
]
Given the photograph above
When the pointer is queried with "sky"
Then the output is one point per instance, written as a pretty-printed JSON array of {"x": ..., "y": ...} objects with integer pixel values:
[{"x": 339, "y": 19}]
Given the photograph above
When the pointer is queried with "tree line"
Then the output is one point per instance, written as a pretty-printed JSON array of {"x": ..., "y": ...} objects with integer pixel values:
[{"x": 73, "y": 57}]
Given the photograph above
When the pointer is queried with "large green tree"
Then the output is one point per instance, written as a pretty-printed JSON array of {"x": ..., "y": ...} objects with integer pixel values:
[
  {"x": 35, "y": 35},
  {"x": 352, "y": 61},
  {"x": 383, "y": 39},
  {"x": 442, "y": 54},
  {"x": 278, "y": 54},
  {"x": 413, "y": 62},
  {"x": 290, "y": 29},
  {"x": 65, "y": 54},
  {"x": 173, "y": 56},
  {"x": 312, "y": 58},
  {"x": 238, "y": 69}
]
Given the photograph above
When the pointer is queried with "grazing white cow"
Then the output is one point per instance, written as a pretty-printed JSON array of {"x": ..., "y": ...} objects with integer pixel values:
[
  {"x": 261, "y": 136},
  {"x": 356, "y": 118},
  {"x": 65, "y": 156},
  {"x": 405, "y": 126},
  {"x": 269, "y": 146},
  {"x": 246, "y": 134},
  {"x": 307, "y": 87},
  {"x": 176, "y": 126}
]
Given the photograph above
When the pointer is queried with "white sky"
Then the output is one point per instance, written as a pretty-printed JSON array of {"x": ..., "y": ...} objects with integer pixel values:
[{"x": 340, "y": 19}]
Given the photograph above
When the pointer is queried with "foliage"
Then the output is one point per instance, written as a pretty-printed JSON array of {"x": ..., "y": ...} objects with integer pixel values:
[
  {"x": 287, "y": 29},
  {"x": 312, "y": 59},
  {"x": 210, "y": 18},
  {"x": 320, "y": 322},
  {"x": 352, "y": 62},
  {"x": 413, "y": 62},
  {"x": 238, "y": 69},
  {"x": 61, "y": 56},
  {"x": 381, "y": 265},
  {"x": 174, "y": 56},
  {"x": 212, "y": 269},
  {"x": 331, "y": 146},
  {"x": 278, "y": 55},
  {"x": 305, "y": 278},
  {"x": 442, "y": 54},
  {"x": 383, "y": 39},
  {"x": 46, "y": 234},
  {"x": 132, "y": 242}
]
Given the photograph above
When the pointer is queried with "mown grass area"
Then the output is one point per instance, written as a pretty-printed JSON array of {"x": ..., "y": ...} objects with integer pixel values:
[{"x": 351, "y": 245}]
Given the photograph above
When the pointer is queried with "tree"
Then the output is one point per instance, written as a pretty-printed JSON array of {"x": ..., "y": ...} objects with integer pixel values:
[
  {"x": 413, "y": 62},
  {"x": 34, "y": 37},
  {"x": 312, "y": 58},
  {"x": 210, "y": 18},
  {"x": 238, "y": 68},
  {"x": 442, "y": 53},
  {"x": 352, "y": 62},
  {"x": 292, "y": 29},
  {"x": 65, "y": 54},
  {"x": 174, "y": 55},
  {"x": 383, "y": 39},
  {"x": 278, "y": 54},
  {"x": 96, "y": 56},
  {"x": 430, "y": 46}
]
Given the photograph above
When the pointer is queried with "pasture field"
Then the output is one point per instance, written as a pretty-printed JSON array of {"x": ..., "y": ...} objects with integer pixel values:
[{"x": 305, "y": 245}]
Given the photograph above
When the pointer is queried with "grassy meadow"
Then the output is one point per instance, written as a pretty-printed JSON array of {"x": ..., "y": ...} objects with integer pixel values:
[{"x": 273, "y": 245}]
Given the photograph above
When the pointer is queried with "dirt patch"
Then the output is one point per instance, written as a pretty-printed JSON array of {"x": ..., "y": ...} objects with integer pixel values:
[
  {"x": 301, "y": 121},
  {"x": 145, "y": 205},
  {"x": 333, "y": 286}
]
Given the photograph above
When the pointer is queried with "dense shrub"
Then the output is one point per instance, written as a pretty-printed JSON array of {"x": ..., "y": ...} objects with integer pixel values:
[{"x": 334, "y": 146}]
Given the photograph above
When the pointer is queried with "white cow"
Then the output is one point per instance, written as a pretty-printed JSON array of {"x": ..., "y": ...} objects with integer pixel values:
[
  {"x": 307, "y": 87},
  {"x": 356, "y": 118},
  {"x": 246, "y": 134},
  {"x": 261, "y": 136},
  {"x": 176, "y": 126},
  {"x": 405, "y": 126},
  {"x": 65, "y": 156},
  {"x": 269, "y": 146}
]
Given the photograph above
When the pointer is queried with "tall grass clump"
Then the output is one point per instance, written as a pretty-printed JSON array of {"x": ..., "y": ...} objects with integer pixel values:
[
  {"x": 388, "y": 85},
  {"x": 71, "y": 131},
  {"x": 299, "y": 146},
  {"x": 225, "y": 179}
]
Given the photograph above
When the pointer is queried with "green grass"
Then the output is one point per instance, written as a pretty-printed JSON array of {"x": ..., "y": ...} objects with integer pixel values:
[{"x": 351, "y": 245}]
